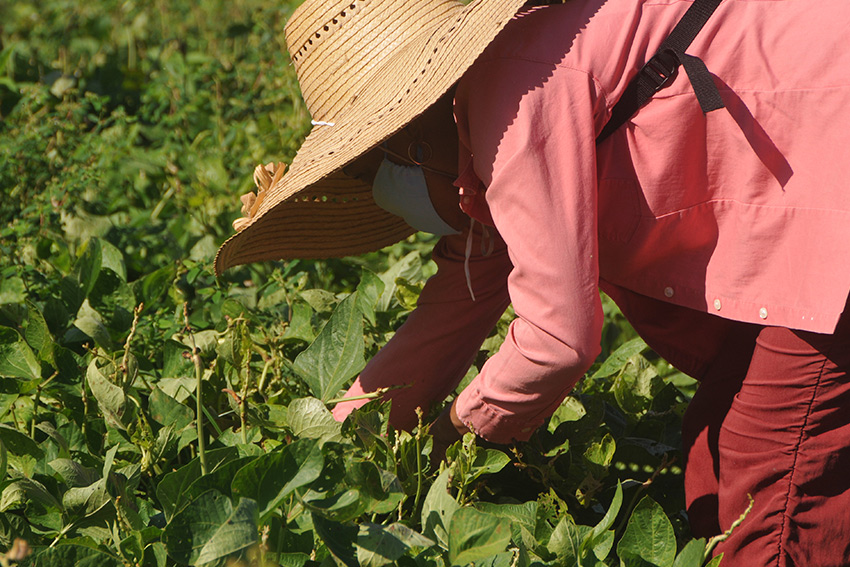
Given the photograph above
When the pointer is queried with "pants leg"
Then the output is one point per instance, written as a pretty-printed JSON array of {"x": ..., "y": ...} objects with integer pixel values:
[
  {"x": 701, "y": 428},
  {"x": 786, "y": 441}
]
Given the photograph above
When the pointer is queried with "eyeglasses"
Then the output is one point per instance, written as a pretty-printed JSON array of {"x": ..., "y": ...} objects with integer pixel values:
[{"x": 423, "y": 153}]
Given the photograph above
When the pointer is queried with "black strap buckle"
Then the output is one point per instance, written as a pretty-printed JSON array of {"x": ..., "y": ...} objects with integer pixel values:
[{"x": 661, "y": 69}]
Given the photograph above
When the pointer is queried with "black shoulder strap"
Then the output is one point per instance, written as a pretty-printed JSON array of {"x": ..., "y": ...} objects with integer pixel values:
[{"x": 660, "y": 70}]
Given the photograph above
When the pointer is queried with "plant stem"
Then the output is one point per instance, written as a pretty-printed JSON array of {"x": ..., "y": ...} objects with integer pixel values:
[
  {"x": 125, "y": 360},
  {"x": 85, "y": 399},
  {"x": 246, "y": 374},
  {"x": 264, "y": 541},
  {"x": 35, "y": 404},
  {"x": 210, "y": 417},
  {"x": 243, "y": 414},
  {"x": 418, "y": 439},
  {"x": 199, "y": 405},
  {"x": 15, "y": 416},
  {"x": 36, "y": 401},
  {"x": 370, "y": 396},
  {"x": 643, "y": 487},
  {"x": 712, "y": 543},
  {"x": 261, "y": 385},
  {"x": 63, "y": 531}
]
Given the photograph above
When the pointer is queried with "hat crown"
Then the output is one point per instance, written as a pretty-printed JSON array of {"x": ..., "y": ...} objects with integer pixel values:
[{"x": 337, "y": 46}]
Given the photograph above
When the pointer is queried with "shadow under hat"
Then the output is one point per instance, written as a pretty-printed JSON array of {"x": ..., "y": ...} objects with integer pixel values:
[{"x": 366, "y": 69}]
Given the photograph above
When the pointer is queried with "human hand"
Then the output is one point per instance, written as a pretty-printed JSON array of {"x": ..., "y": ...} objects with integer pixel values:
[{"x": 445, "y": 430}]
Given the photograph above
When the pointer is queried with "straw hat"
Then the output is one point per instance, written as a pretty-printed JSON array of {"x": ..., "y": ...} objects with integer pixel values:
[{"x": 366, "y": 69}]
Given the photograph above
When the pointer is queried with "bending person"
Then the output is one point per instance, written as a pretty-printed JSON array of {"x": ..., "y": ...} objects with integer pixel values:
[{"x": 723, "y": 237}]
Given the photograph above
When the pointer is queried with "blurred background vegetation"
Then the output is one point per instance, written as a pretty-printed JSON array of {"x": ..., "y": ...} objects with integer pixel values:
[{"x": 139, "y": 121}]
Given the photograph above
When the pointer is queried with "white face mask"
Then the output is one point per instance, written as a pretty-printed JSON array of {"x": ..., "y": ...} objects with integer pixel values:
[{"x": 402, "y": 191}]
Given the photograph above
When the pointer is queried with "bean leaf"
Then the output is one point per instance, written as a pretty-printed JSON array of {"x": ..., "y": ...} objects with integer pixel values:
[
  {"x": 37, "y": 335},
  {"x": 271, "y": 478},
  {"x": 618, "y": 358},
  {"x": 19, "y": 444},
  {"x": 167, "y": 411},
  {"x": 308, "y": 417},
  {"x": 300, "y": 327},
  {"x": 368, "y": 292},
  {"x": 337, "y": 354},
  {"x": 109, "y": 397},
  {"x": 88, "y": 265},
  {"x": 78, "y": 551},
  {"x": 438, "y": 509},
  {"x": 565, "y": 542},
  {"x": 636, "y": 385},
  {"x": 523, "y": 518},
  {"x": 408, "y": 268},
  {"x": 339, "y": 539},
  {"x": 474, "y": 535},
  {"x": 12, "y": 290},
  {"x": 378, "y": 546},
  {"x": 649, "y": 537},
  {"x": 173, "y": 485},
  {"x": 596, "y": 539},
  {"x": 72, "y": 473},
  {"x": 210, "y": 528},
  {"x": 692, "y": 554},
  {"x": 17, "y": 359}
]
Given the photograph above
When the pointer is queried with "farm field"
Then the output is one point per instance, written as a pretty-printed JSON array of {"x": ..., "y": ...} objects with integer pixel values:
[{"x": 153, "y": 415}]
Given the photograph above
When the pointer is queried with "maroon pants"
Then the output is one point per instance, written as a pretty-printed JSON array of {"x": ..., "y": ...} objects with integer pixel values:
[{"x": 771, "y": 419}]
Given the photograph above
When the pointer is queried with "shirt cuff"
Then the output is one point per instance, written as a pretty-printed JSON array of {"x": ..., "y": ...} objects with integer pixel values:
[{"x": 493, "y": 423}]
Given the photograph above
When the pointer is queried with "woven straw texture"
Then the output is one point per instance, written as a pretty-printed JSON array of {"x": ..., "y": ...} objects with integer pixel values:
[{"x": 366, "y": 69}]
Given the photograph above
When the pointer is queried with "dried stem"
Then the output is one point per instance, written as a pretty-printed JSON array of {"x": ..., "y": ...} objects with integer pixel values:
[
  {"x": 15, "y": 416},
  {"x": 35, "y": 403},
  {"x": 85, "y": 398},
  {"x": 418, "y": 438},
  {"x": 370, "y": 396},
  {"x": 243, "y": 408},
  {"x": 712, "y": 543},
  {"x": 125, "y": 360},
  {"x": 199, "y": 405},
  {"x": 246, "y": 374}
]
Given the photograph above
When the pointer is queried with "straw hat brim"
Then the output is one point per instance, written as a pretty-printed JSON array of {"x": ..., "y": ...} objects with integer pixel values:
[{"x": 316, "y": 211}]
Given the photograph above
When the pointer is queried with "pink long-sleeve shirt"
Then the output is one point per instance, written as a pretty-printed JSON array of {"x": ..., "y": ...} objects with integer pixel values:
[{"x": 691, "y": 222}]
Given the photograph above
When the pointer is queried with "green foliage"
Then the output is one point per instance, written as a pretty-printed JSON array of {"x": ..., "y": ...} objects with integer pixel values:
[
  {"x": 209, "y": 528},
  {"x": 16, "y": 358},
  {"x": 649, "y": 537},
  {"x": 153, "y": 415},
  {"x": 475, "y": 535},
  {"x": 337, "y": 353}
]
